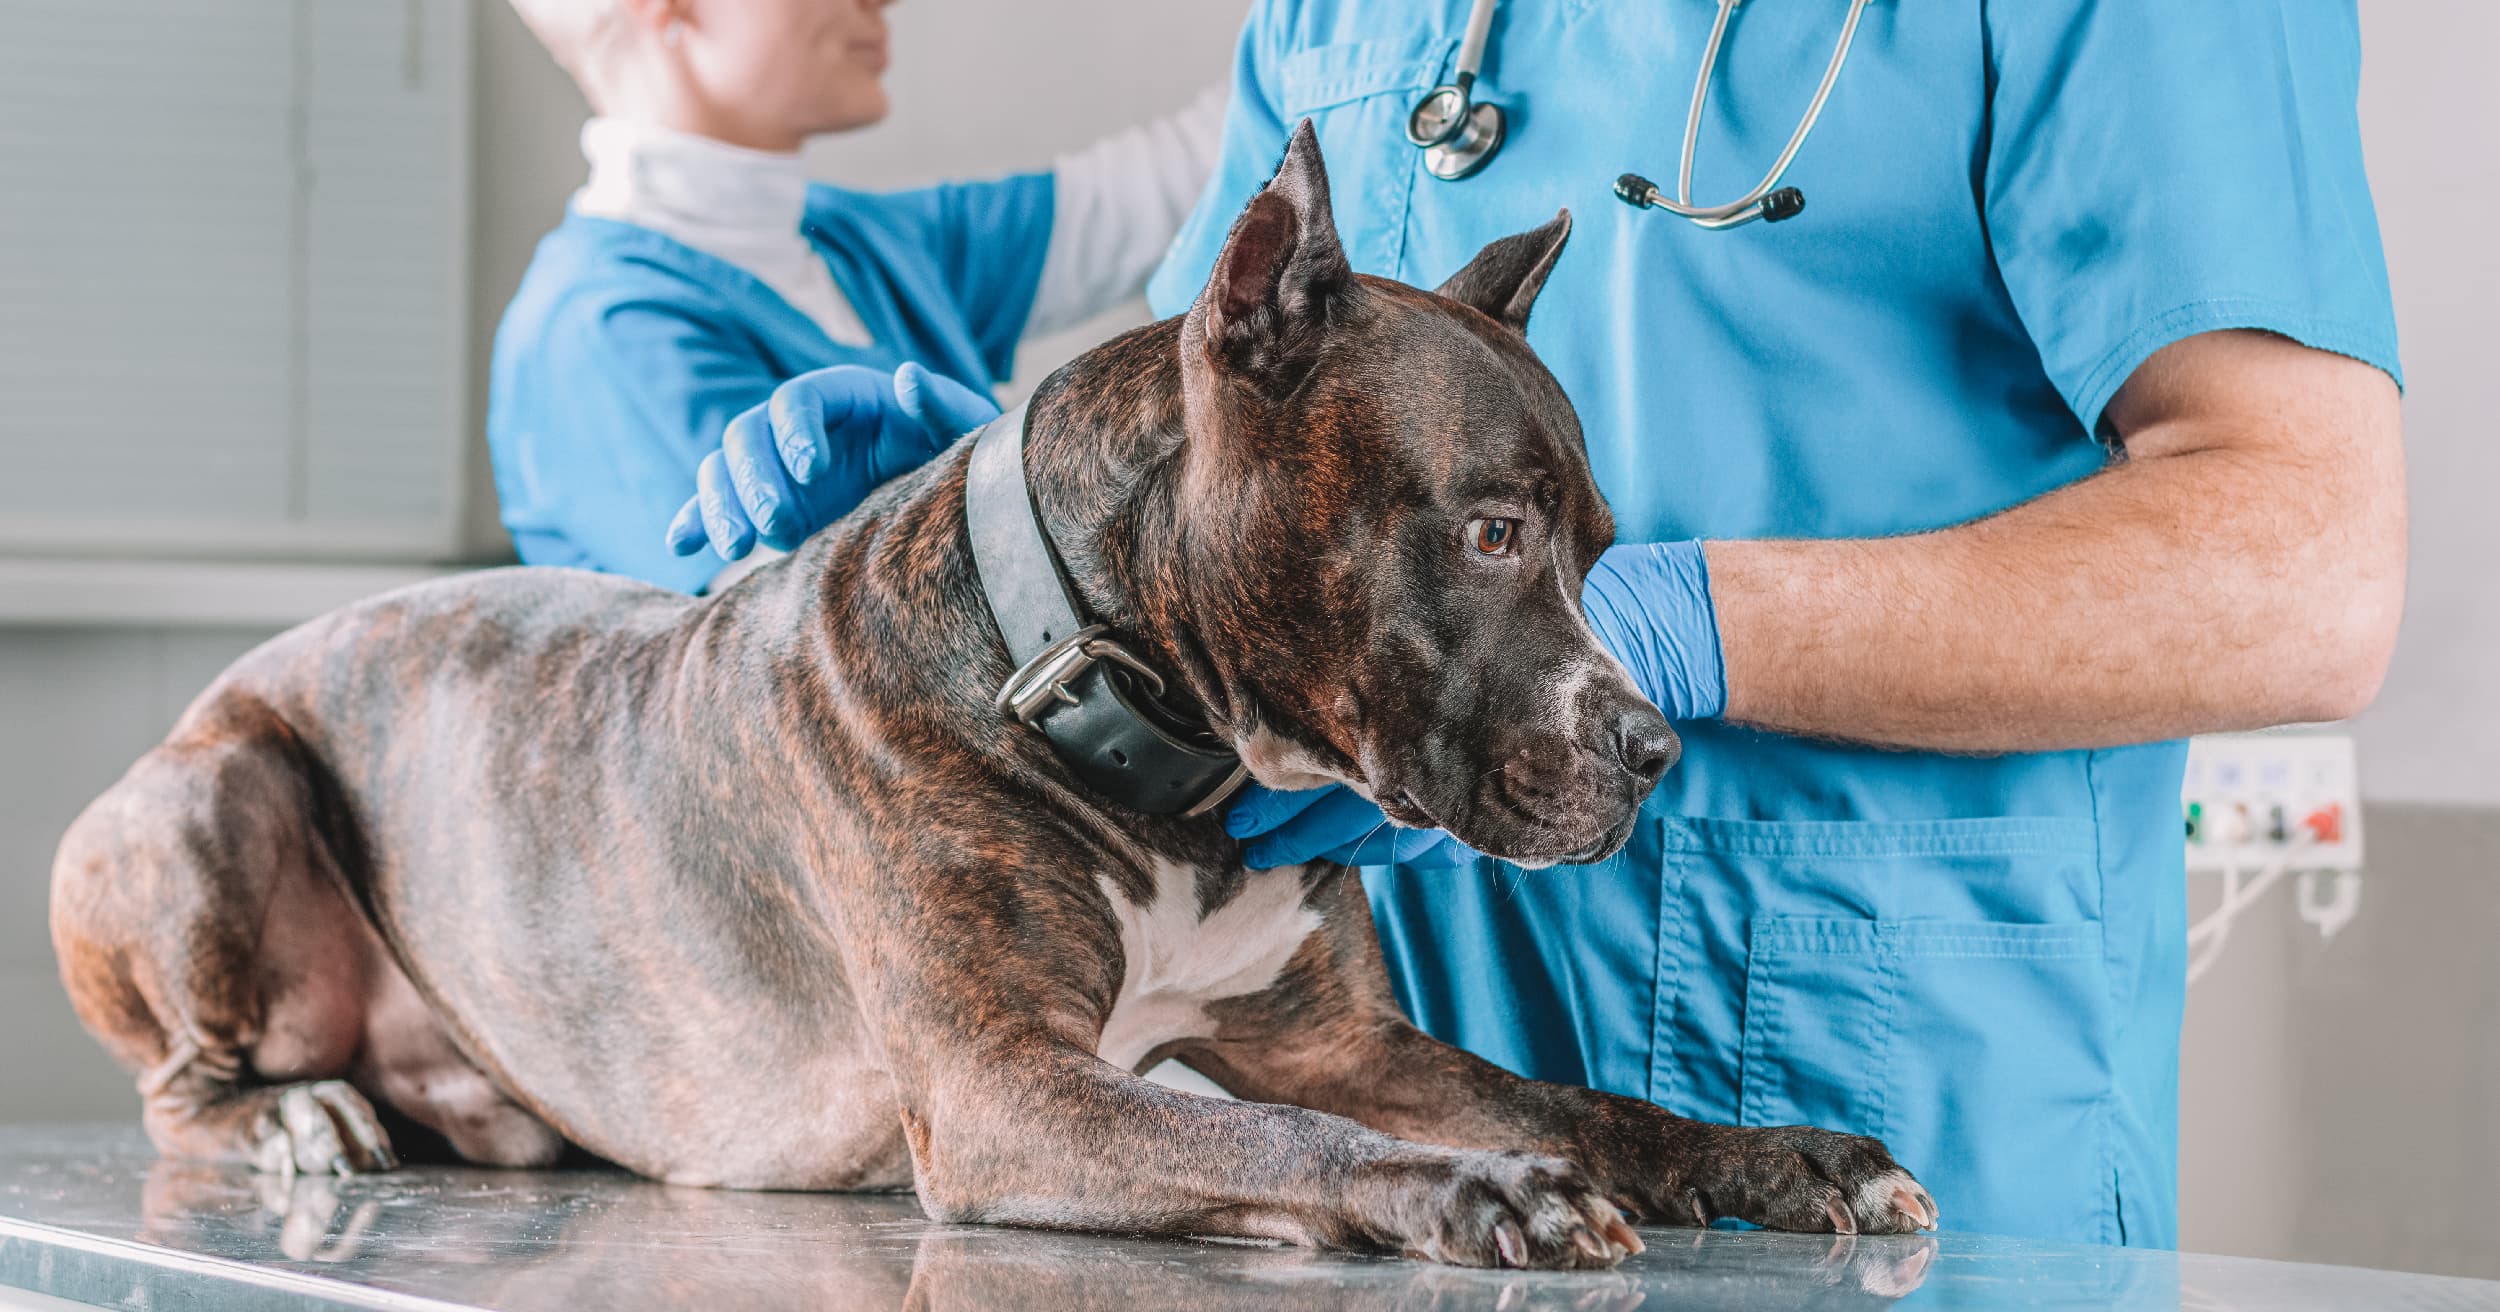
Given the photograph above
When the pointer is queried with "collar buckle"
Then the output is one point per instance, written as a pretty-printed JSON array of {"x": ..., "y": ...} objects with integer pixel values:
[
  {"x": 1045, "y": 680},
  {"x": 1111, "y": 727}
]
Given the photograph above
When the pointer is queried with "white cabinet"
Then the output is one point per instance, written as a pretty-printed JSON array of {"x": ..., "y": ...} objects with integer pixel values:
[{"x": 233, "y": 277}]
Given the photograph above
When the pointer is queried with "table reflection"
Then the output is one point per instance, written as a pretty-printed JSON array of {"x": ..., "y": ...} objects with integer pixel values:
[{"x": 598, "y": 1239}]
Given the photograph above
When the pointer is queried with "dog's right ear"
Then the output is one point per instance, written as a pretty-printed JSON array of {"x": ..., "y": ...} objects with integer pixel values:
[
  {"x": 1505, "y": 277},
  {"x": 1280, "y": 270}
]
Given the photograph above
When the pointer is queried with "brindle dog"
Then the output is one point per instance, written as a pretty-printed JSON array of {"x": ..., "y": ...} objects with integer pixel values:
[{"x": 760, "y": 891}]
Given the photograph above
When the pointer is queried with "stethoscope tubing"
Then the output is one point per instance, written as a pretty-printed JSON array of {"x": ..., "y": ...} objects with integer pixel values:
[
  {"x": 1450, "y": 136},
  {"x": 1471, "y": 48},
  {"x": 1745, "y": 208}
]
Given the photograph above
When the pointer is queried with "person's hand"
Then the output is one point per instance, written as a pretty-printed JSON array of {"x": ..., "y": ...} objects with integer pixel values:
[
  {"x": 1334, "y": 823},
  {"x": 824, "y": 441},
  {"x": 1648, "y": 603}
]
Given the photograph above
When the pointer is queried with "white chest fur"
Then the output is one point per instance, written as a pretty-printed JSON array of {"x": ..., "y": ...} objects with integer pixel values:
[{"x": 1178, "y": 960}]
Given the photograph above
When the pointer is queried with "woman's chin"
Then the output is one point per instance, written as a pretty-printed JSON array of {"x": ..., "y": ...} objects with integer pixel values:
[{"x": 864, "y": 109}]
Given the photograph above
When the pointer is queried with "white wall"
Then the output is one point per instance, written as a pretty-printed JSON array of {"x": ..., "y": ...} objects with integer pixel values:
[{"x": 2431, "y": 123}]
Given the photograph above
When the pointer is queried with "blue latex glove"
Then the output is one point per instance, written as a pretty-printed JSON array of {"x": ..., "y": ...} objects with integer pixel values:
[
  {"x": 1649, "y": 603},
  {"x": 1334, "y": 823},
  {"x": 824, "y": 441}
]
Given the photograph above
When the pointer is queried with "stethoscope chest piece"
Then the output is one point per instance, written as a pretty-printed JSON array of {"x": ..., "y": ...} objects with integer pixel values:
[{"x": 1457, "y": 135}]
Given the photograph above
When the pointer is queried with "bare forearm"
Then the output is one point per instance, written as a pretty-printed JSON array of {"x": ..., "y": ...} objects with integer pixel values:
[{"x": 2239, "y": 570}]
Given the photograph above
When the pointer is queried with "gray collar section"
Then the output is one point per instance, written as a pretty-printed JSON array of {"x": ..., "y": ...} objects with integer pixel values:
[{"x": 1075, "y": 683}]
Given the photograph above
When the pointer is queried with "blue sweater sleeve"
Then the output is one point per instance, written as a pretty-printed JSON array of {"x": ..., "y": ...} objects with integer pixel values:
[
  {"x": 598, "y": 429},
  {"x": 1255, "y": 134},
  {"x": 987, "y": 241}
]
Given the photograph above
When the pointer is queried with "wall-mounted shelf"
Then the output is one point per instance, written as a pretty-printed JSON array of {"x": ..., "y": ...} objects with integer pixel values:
[{"x": 155, "y": 593}]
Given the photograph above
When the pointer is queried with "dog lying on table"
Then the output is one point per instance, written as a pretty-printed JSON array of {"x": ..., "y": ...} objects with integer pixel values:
[{"x": 782, "y": 889}]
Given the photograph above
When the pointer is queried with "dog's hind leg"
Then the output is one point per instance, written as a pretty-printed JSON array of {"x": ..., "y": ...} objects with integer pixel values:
[{"x": 206, "y": 939}]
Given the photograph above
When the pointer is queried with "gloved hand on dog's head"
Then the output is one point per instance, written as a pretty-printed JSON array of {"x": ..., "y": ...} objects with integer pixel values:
[
  {"x": 1648, "y": 603},
  {"x": 824, "y": 441}
]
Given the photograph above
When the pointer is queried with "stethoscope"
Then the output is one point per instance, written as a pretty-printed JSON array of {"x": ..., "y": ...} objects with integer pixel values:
[{"x": 1459, "y": 136}]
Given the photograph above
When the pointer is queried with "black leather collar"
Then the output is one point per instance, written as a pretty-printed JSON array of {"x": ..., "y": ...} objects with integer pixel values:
[{"x": 1094, "y": 699}]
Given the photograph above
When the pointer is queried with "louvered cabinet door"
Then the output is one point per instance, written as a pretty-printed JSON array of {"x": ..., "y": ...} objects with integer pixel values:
[{"x": 233, "y": 276}]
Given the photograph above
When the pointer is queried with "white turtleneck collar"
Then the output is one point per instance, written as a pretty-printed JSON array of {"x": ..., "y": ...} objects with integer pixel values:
[{"x": 734, "y": 204}]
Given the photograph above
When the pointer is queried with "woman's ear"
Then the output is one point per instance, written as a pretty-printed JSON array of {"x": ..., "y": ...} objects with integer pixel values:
[
  {"x": 1505, "y": 277},
  {"x": 652, "y": 17}
]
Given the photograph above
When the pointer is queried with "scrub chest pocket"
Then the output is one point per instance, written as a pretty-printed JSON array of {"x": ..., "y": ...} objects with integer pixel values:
[
  {"x": 1357, "y": 96},
  {"x": 1937, "y": 984}
]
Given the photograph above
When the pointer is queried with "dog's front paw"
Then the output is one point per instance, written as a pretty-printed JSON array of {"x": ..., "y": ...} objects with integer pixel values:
[
  {"x": 1507, "y": 1210},
  {"x": 1795, "y": 1177}
]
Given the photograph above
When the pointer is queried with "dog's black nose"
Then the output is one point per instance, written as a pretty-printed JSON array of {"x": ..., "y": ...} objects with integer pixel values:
[{"x": 1645, "y": 745}]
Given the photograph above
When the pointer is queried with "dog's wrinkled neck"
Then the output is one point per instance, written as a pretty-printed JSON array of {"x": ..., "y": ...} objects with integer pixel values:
[{"x": 1102, "y": 455}]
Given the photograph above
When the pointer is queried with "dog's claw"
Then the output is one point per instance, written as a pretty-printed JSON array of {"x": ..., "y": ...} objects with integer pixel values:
[
  {"x": 1587, "y": 1241},
  {"x": 1510, "y": 1245},
  {"x": 323, "y": 1126},
  {"x": 1842, "y": 1222},
  {"x": 1915, "y": 1204}
]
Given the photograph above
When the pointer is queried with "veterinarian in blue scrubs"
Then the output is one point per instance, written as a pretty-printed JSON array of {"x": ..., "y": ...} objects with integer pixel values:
[
  {"x": 1973, "y": 948},
  {"x": 2060, "y": 424},
  {"x": 699, "y": 267}
]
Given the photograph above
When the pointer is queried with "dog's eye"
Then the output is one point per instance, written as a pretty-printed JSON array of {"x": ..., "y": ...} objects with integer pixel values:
[{"x": 1493, "y": 537}]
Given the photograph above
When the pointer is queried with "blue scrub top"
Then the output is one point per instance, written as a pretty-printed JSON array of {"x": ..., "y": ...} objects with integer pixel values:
[
  {"x": 2010, "y": 206},
  {"x": 625, "y": 353}
]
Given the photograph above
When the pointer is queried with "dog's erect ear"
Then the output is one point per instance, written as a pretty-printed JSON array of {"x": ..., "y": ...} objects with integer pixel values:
[
  {"x": 1505, "y": 277},
  {"x": 1280, "y": 267}
]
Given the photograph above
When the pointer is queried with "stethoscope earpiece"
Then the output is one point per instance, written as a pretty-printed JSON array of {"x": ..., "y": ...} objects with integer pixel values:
[{"x": 1641, "y": 194}]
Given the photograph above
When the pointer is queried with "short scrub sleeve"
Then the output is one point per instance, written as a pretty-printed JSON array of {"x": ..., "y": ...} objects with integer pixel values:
[{"x": 2156, "y": 170}]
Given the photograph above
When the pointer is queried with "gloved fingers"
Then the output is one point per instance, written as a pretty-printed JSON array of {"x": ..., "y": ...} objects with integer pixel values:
[
  {"x": 1261, "y": 808},
  {"x": 1649, "y": 604},
  {"x": 685, "y": 532},
  {"x": 807, "y": 409},
  {"x": 899, "y": 448},
  {"x": 1342, "y": 819},
  {"x": 1611, "y": 600},
  {"x": 763, "y": 491},
  {"x": 1390, "y": 845},
  {"x": 944, "y": 409},
  {"x": 732, "y": 535},
  {"x": 1437, "y": 849}
]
